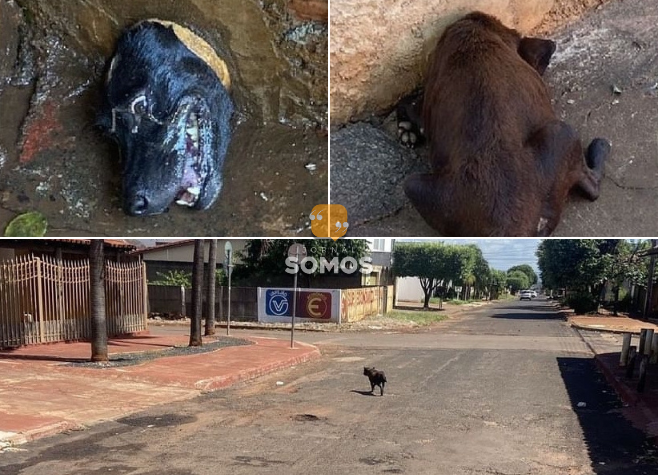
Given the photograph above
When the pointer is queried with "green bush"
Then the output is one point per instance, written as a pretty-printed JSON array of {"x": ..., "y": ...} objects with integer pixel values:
[{"x": 581, "y": 302}]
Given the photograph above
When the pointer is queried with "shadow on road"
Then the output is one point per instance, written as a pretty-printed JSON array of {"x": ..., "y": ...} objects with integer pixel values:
[
  {"x": 529, "y": 312},
  {"x": 363, "y": 393},
  {"x": 614, "y": 446}
]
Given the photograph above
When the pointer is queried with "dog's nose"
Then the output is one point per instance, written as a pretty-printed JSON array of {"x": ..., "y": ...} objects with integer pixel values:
[{"x": 137, "y": 205}]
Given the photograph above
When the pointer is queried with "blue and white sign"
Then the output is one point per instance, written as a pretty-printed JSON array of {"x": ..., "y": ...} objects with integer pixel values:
[{"x": 278, "y": 302}]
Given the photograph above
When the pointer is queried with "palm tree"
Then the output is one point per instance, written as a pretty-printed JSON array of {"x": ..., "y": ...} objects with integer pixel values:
[
  {"x": 210, "y": 298},
  {"x": 197, "y": 293},
  {"x": 97, "y": 301}
]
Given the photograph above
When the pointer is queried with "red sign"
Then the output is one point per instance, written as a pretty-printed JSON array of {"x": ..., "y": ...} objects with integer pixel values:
[{"x": 314, "y": 305}]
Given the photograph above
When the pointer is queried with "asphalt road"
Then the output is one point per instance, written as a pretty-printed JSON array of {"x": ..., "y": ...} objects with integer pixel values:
[{"x": 494, "y": 392}]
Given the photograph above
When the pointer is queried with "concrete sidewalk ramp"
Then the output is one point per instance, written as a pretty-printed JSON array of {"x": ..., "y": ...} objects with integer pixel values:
[{"x": 43, "y": 394}]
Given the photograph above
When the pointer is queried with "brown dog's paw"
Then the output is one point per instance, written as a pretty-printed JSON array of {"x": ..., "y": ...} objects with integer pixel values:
[
  {"x": 407, "y": 135},
  {"x": 410, "y": 129}
]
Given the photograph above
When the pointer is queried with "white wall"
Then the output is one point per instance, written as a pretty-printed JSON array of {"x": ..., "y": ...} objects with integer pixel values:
[{"x": 408, "y": 289}]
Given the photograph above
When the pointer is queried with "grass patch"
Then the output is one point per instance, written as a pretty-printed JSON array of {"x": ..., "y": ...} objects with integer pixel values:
[{"x": 418, "y": 317}]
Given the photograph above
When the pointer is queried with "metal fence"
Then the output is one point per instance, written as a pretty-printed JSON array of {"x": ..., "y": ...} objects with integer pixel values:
[
  {"x": 44, "y": 300},
  {"x": 173, "y": 300}
]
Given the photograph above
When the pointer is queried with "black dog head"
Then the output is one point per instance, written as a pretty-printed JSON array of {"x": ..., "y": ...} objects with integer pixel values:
[{"x": 168, "y": 106}]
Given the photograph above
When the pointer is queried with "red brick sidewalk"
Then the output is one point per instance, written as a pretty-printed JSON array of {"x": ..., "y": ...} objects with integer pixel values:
[{"x": 41, "y": 395}]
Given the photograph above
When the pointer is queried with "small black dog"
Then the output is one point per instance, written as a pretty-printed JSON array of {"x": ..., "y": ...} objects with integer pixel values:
[{"x": 377, "y": 378}]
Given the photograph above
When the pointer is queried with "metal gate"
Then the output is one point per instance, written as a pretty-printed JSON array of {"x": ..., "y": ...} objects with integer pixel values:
[{"x": 44, "y": 300}]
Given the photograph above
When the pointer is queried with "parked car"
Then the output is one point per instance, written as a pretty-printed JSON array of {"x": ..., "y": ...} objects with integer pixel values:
[
  {"x": 534, "y": 294},
  {"x": 525, "y": 295}
]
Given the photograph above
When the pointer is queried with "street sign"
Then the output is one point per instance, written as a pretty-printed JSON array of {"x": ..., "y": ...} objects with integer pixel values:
[
  {"x": 228, "y": 250},
  {"x": 298, "y": 251}
]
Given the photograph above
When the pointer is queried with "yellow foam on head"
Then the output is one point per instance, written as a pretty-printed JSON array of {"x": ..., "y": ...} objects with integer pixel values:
[{"x": 201, "y": 48}]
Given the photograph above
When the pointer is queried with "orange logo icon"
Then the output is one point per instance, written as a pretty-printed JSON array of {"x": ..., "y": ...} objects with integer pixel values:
[{"x": 329, "y": 221}]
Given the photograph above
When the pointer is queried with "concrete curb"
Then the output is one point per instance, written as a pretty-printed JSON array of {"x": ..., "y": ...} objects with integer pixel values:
[
  {"x": 213, "y": 384},
  {"x": 626, "y": 394},
  {"x": 19, "y": 438},
  {"x": 602, "y": 330},
  {"x": 240, "y": 326}
]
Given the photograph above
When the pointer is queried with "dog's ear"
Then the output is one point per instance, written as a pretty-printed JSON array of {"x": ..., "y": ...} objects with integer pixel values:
[{"x": 537, "y": 52}]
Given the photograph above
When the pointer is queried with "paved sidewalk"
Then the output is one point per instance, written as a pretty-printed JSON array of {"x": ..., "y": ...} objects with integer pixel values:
[
  {"x": 610, "y": 324},
  {"x": 41, "y": 394}
]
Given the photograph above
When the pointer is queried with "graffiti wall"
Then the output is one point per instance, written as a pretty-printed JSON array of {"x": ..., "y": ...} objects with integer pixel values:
[{"x": 357, "y": 304}]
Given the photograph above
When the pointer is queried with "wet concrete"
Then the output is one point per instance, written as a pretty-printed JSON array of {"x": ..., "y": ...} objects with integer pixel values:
[
  {"x": 54, "y": 160},
  {"x": 613, "y": 46}
]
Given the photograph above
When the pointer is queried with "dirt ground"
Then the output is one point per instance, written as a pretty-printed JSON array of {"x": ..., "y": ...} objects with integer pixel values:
[
  {"x": 55, "y": 161},
  {"x": 604, "y": 82}
]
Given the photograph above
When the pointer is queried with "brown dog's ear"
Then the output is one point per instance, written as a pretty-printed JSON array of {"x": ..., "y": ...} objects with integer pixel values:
[{"x": 537, "y": 52}]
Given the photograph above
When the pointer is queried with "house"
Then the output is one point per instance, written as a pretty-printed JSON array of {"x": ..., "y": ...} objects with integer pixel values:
[
  {"x": 165, "y": 257},
  {"x": 381, "y": 253}
]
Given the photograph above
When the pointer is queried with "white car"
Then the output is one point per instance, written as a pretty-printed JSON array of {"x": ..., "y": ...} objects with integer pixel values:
[
  {"x": 534, "y": 294},
  {"x": 525, "y": 295}
]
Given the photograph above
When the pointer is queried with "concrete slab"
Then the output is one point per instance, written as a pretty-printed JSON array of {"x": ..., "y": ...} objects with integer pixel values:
[{"x": 610, "y": 324}]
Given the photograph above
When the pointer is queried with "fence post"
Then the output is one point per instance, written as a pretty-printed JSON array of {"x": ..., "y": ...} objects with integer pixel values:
[
  {"x": 145, "y": 302},
  {"x": 654, "y": 349},
  {"x": 643, "y": 338},
  {"x": 623, "y": 360},
  {"x": 40, "y": 299},
  {"x": 648, "y": 341}
]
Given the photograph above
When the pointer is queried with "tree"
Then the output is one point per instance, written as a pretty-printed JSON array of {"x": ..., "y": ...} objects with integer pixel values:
[
  {"x": 264, "y": 259},
  {"x": 622, "y": 262},
  {"x": 197, "y": 293},
  {"x": 527, "y": 270},
  {"x": 570, "y": 263},
  {"x": 589, "y": 265},
  {"x": 481, "y": 273},
  {"x": 211, "y": 280},
  {"x": 97, "y": 301},
  {"x": 434, "y": 263},
  {"x": 517, "y": 280},
  {"x": 498, "y": 281}
]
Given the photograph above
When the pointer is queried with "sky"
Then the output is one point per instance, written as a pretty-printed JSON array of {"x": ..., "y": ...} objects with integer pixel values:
[{"x": 501, "y": 254}]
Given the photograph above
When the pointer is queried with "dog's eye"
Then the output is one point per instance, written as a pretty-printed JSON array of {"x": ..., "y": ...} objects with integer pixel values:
[{"x": 139, "y": 106}]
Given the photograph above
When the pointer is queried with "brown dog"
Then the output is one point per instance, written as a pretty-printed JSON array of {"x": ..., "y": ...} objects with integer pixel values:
[{"x": 502, "y": 163}]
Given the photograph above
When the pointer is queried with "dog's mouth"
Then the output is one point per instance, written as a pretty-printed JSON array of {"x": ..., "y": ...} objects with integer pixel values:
[{"x": 192, "y": 146}]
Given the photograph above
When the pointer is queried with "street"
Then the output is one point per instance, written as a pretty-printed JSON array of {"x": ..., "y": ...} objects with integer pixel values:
[{"x": 499, "y": 390}]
